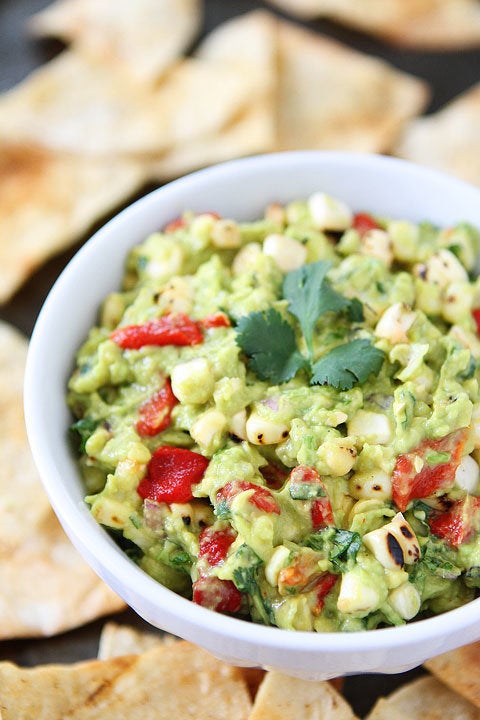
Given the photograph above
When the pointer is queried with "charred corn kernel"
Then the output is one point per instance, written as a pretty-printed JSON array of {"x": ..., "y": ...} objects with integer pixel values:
[
  {"x": 335, "y": 418},
  {"x": 372, "y": 427},
  {"x": 276, "y": 213},
  {"x": 394, "y": 544},
  {"x": 193, "y": 381},
  {"x": 168, "y": 262},
  {"x": 265, "y": 432},
  {"x": 374, "y": 485},
  {"x": 177, "y": 296},
  {"x": 245, "y": 258},
  {"x": 457, "y": 301},
  {"x": 377, "y": 244},
  {"x": 395, "y": 322},
  {"x": 406, "y": 600},
  {"x": 289, "y": 254},
  {"x": 356, "y": 596},
  {"x": 279, "y": 560},
  {"x": 208, "y": 426},
  {"x": 226, "y": 234},
  {"x": 339, "y": 455},
  {"x": 441, "y": 269},
  {"x": 328, "y": 213},
  {"x": 467, "y": 475},
  {"x": 238, "y": 425}
]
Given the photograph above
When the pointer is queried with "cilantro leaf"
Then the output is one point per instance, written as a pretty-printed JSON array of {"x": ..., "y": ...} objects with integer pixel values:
[
  {"x": 82, "y": 429},
  {"x": 341, "y": 546},
  {"x": 269, "y": 341},
  {"x": 245, "y": 578},
  {"x": 347, "y": 364}
]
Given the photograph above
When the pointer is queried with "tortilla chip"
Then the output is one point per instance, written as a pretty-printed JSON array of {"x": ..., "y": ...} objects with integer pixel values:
[
  {"x": 46, "y": 586},
  {"x": 180, "y": 681},
  {"x": 459, "y": 669},
  {"x": 427, "y": 24},
  {"x": 48, "y": 200},
  {"x": 424, "y": 699},
  {"x": 144, "y": 36},
  {"x": 83, "y": 106},
  {"x": 448, "y": 140},
  {"x": 117, "y": 640},
  {"x": 285, "y": 698},
  {"x": 332, "y": 97}
]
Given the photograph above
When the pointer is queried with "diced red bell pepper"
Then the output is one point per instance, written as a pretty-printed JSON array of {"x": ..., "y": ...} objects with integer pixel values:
[
  {"x": 214, "y": 544},
  {"x": 476, "y": 317},
  {"x": 363, "y": 222},
  {"x": 261, "y": 497},
  {"x": 457, "y": 524},
  {"x": 220, "y": 319},
  {"x": 155, "y": 414},
  {"x": 321, "y": 508},
  {"x": 171, "y": 473},
  {"x": 216, "y": 594},
  {"x": 175, "y": 329},
  {"x": 323, "y": 587},
  {"x": 408, "y": 484}
]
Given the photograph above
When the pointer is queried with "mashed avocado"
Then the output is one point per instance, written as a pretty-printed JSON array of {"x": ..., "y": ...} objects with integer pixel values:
[{"x": 280, "y": 419}]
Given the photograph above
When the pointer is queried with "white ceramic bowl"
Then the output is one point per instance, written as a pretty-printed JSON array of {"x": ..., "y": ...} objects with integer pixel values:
[{"x": 239, "y": 189}]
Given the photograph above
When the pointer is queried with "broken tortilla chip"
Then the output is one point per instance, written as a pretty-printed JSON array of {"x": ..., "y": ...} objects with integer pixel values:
[
  {"x": 448, "y": 140},
  {"x": 425, "y": 24},
  {"x": 46, "y": 586},
  {"x": 458, "y": 670},
  {"x": 424, "y": 699},
  {"x": 180, "y": 681},
  {"x": 285, "y": 698},
  {"x": 144, "y": 36},
  {"x": 332, "y": 97},
  {"x": 84, "y": 106},
  {"x": 48, "y": 200}
]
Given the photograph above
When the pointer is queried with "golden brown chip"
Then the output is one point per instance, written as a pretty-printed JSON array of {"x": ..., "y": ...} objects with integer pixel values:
[
  {"x": 448, "y": 140},
  {"x": 180, "y": 681},
  {"x": 285, "y": 698},
  {"x": 459, "y": 669},
  {"x": 428, "y": 24},
  {"x": 48, "y": 200},
  {"x": 332, "y": 97},
  {"x": 83, "y": 106},
  {"x": 46, "y": 587},
  {"x": 424, "y": 699},
  {"x": 144, "y": 36},
  {"x": 117, "y": 640}
]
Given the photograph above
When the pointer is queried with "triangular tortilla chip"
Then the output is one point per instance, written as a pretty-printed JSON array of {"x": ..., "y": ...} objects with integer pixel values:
[
  {"x": 332, "y": 97},
  {"x": 46, "y": 587},
  {"x": 427, "y": 24},
  {"x": 48, "y": 200},
  {"x": 180, "y": 681},
  {"x": 459, "y": 669},
  {"x": 144, "y": 36},
  {"x": 448, "y": 140},
  {"x": 424, "y": 699},
  {"x": 285, "y": 698},
  {"x": 83, "y": 105}
]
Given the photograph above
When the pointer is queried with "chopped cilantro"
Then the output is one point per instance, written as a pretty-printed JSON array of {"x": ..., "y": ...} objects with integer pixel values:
[
  {"x": 341, "y": 546},
  {"x": 269, "y": 341},
  {"x": 306, "y": 491},
  {"x": 83, "y": 429},
  {"x": 347, "y": 364},
  {"x": 245, "y": 578}
]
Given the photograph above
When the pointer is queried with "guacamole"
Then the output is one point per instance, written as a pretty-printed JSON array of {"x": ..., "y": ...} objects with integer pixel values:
[{"x": 280, "y": 419}]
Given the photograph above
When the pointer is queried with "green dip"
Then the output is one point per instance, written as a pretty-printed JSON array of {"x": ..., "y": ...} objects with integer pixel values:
[{"x": 280, "y": 419}]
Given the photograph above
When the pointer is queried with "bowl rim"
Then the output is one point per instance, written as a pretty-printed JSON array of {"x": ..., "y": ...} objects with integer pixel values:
[{"x": 87, "y": 534}]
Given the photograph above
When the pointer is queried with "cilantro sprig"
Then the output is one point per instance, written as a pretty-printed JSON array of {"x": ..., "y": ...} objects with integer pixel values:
[{"x": 269, "y": 341}]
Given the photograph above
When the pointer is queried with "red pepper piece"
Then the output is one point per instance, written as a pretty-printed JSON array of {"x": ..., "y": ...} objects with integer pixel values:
[
  {"x": 216, "y": 594},
  {"x": 171, "y": 473},
  {"x": 215, "y": 321},
  {"x": 476, "y": 317},
  {"x": 321, "y": 513},
  {"x": 261, "y": 497},
  {"x": 155, "y": 414},
  {"x": 177, "y": 329},
  {"x": 457, "y": 524},
  {"x": 323, "y": 587},
  {"x": 408, "y": 484},
  {"x": 214, "y": 544},
  {"x": 321, "y": 508},
  {"x": 363, "y": 222}
]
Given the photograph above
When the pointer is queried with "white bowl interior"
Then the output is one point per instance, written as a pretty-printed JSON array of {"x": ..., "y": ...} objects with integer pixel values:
[{"x": 241, "y": 190}]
